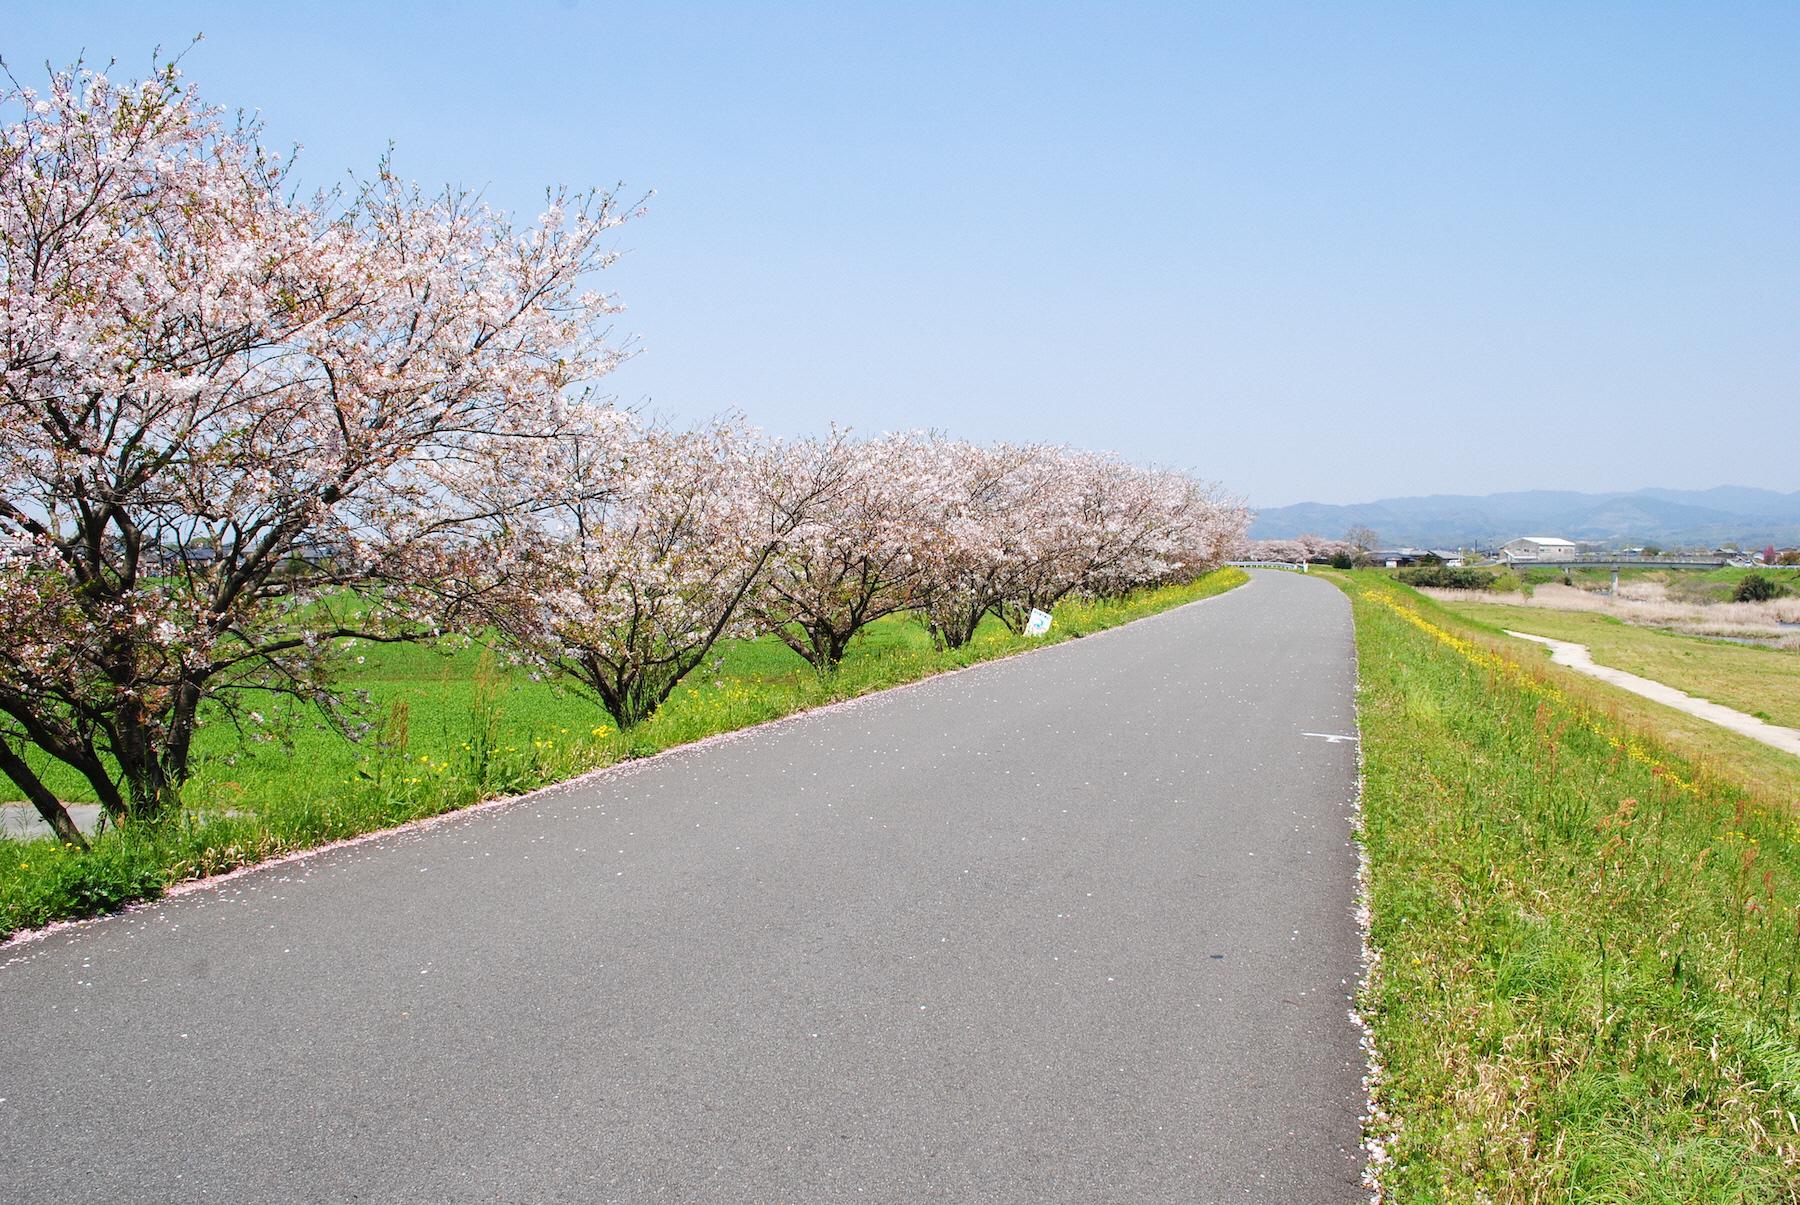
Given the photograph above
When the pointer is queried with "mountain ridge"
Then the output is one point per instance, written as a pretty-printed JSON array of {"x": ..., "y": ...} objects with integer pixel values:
[{"x": 1743, "y": 514}]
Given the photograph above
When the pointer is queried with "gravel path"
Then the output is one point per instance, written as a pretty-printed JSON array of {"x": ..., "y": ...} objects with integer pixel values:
[{"x": 1576, "y": 656}]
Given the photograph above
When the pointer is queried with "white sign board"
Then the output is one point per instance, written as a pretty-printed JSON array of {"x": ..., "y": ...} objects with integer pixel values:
[{"x": 1038, "y": 624}]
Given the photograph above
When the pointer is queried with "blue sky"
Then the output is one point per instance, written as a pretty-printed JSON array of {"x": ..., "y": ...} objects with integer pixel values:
[{"x": 1327, "y": 252}]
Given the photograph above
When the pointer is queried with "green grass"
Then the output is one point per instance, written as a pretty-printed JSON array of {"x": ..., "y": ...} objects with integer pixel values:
[
  {"x": 457, "y": 727},
  {"x": 1588, "y": 944},
  {"x": 1755, "y": 680},
  {"x": 1716, "y": 585},
  {"x": 1685, "y": 585}
]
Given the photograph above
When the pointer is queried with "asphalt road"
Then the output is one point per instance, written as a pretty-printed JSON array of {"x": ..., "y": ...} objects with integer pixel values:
[{"x": 1076, "y": 926}]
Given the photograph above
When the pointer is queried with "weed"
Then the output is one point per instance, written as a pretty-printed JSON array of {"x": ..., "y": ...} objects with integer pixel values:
[{"x": 1587, "y": 942}]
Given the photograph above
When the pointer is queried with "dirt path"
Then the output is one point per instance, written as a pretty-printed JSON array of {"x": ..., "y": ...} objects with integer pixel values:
[{"x": 1577, "y": 657}]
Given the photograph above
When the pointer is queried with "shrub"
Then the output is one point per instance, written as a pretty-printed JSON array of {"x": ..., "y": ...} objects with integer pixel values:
[
  {"x": 1754, "y": 587},
  {"x": 1446, "y": 578}
]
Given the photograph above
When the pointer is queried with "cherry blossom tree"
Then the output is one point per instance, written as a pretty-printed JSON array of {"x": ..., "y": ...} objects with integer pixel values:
[
  {"x": 1294, "y": 550},
  {"x": 1097, "y": 524},
  {"x": 626, "y": 589},
  {"x": 236, "y": 426},
  {"x": 973, "y": 533},
  {"x": 238, "y": 429},
  {"x": 862, "y": 553},
  {"x": 1204, "y": 524},
  {"x": 1025, "y": 526},
  {"x": 1307, "y": 548}
]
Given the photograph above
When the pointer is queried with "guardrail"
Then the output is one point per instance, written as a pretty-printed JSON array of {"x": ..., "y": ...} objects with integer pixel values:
[{"x": 1300, "y": 565}]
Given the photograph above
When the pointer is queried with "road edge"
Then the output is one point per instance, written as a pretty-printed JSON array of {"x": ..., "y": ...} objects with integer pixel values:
[{"x": 25, "y": 937}]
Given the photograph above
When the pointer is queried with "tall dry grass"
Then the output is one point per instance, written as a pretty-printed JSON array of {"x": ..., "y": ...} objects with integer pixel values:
[{"x": 1647, "y": 604}]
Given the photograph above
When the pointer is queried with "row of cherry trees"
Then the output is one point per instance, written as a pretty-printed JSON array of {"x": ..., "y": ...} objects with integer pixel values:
[
  {"x": 240, "y": 429},
  {"x": 1301, "y": 549},
  {"x": 647, "y": 545}
]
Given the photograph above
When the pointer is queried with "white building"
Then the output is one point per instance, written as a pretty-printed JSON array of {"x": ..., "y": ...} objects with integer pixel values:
[{"x": 1538, "y": 548}]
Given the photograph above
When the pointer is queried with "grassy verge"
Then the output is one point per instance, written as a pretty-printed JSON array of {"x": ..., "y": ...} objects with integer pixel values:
[
  {"x": 1758, "y": 681},
  {"x": 1588, "y": 944},
  {"x": 1690, "y": 585},
  {"x": 456, "y": 728}
]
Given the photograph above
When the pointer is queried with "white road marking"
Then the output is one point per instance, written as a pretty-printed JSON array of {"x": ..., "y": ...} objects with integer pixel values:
[{"x": 1331, "y": 737}]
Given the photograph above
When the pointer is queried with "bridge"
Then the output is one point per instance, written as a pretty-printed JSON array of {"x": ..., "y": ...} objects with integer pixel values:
[
  {"x": 1616, "y": 563},
  {"x": 1300, "y": 565}
]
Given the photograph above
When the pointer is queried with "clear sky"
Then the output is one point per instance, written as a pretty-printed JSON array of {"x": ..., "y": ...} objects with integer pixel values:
[{"x": 1327, "y": 252}]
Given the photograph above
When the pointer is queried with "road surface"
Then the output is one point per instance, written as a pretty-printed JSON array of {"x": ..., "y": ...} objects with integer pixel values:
[{"x": 1075, "y": 926}]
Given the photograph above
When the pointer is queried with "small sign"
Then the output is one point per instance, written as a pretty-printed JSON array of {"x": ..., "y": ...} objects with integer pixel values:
[{"x": 1038, "y": 624}]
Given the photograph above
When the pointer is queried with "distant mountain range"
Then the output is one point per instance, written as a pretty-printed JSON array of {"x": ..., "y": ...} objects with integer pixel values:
[{"x": 1748, "y": 517}]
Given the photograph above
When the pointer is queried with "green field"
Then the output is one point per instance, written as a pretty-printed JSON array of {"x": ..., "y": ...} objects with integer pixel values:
[
  {"x": 1588, "y": 944},
  {"x": 454, "y": 727},
  {"x": 1685, "y": 585},
  {"x": 1756, "y": 680}
]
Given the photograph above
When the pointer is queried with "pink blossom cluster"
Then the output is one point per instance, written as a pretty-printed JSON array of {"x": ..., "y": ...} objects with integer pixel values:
[
  {"x": 241, "y": 429},
  {"x": 1023, "y": 526},
  {"x": 228, "y": 416},
  {"x": 624, "y": 578},
  {"x": 1298, "y": 550}
]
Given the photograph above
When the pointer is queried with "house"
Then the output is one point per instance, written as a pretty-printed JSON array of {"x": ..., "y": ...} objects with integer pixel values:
[
  {"x": 1395, "y": 558},
  {"x": 1538, "y": 548},
  {"x": 171, "y": 558}
]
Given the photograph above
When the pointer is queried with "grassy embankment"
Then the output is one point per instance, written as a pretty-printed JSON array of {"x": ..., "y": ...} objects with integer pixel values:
[
  {"x": 1759, "y": 681},
  {"x": 456, "y": 728},
  {"x": 1589, "y": 943},
  {"x": 1684, "y": 585}
]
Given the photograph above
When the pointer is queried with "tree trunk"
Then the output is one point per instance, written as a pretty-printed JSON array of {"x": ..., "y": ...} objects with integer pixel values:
[
  {"x": 828, "y": 646},
  {"x": 149, "y": 791},
  {"x": 956, "y": 628},
  {"x": 154, "y": 769},
  {"x": 629, "y": 698},
  {"x": 48, "y": 805},
  {"x": 152, "y": 795},
  {"x": 807, "y": 649},
  {"x": 613, "y": 698},
  {"x": 823, "y": 647}
]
